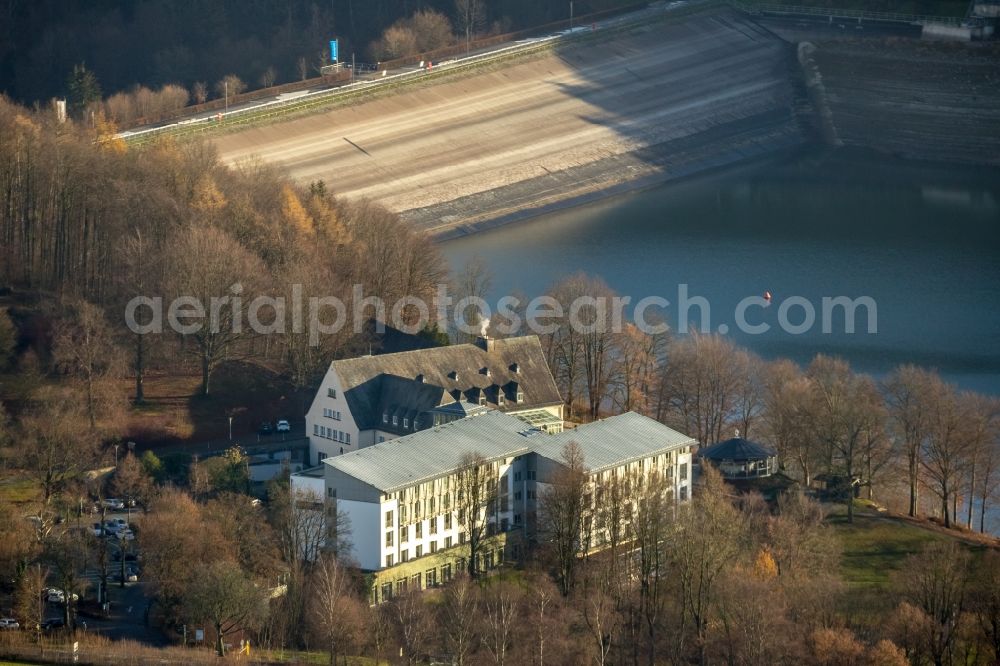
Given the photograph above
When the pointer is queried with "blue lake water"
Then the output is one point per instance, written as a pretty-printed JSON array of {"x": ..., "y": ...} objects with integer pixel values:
[{"x": 923, "y": 241}]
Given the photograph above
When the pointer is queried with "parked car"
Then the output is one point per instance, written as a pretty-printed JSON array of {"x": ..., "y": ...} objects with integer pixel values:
[
  {"x": 53, "y": 623},
  {"x": 283, "y": 426},
  {"x": 97, "y": 529},
  {"x": 130, "y": 577},
  {"x": 113, "y": 504},
  {"x": 9, "y": 623},
  {"x": 265, "y": 428},
  {"x": 57, "y": 596}
]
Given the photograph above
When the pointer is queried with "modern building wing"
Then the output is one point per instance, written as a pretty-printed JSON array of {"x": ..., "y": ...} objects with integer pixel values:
[{"x": 401, "y": 496}]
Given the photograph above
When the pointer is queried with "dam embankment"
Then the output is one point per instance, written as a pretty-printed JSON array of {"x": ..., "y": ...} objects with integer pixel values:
[{"x": 654, "y": 103}]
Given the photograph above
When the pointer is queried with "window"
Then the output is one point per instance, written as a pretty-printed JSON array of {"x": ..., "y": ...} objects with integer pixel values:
[
  {"x": 504, "y": 525},
  {"x": 388, "y": 560},
  {"x": 517, "y": 477},
  {"x": 419, "y": 552},
  {"x": 433, "y": 525},
  {"x": 385, "y": 417},
  {"x": 331, "y": 393},
  {"x": 401, "y": 586},
  {"x": 406, "y": 422},
  {"x": 447, "y": 521},
  {"x": 517, "y": 496},
  {"x": 434, "y": 546},
  {"x": 447, "y": 542},
  {"x": 388, "y": 539},
  {"x": 381, "y": 439},
  {"x": 517, "y": 519},
  {"x": 347, "y": 438},
  {"x": 331, "y": 492},
  {"x": 684, "y": 493},
  {"x": 532, "y": 495},
  {"x": 341, "y": 435},
  {"x": 320, "y": 455},
  {"x": 388, "y": 518},
  {"x": 446, "y": 573},
  {"x": 482, "y": 398},
  {"x": 315, "y": 429},
  {"x": 430, "y": 578},
  {"x": 520, "y": 395},
  {"x": 415, "y": 581},
  {"x": 684, "y": 472},
  {"x": 420, "y": 530},
  {"x": 386, "y": 591},
  {"x": 531, "y": 475},
  {"x": 500, "y": 399},
  {"x": 403, "y": 534},
  {"x": 404, "y": 555}
]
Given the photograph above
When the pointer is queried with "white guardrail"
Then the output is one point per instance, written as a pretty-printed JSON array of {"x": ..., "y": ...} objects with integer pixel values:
[{"x": 310, "y": 98}]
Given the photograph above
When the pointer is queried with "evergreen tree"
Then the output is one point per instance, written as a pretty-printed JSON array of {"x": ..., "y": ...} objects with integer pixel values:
[{"x": 83, "y": 90}]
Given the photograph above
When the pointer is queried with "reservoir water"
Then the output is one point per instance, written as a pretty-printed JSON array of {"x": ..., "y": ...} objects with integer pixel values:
[{"x": 922, "y": 241}]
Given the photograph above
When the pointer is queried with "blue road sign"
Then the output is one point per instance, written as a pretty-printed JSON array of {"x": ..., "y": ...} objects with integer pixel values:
[{"x": 333, "y": 50}]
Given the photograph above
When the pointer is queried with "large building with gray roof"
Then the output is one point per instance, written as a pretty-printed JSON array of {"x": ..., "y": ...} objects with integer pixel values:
[
  {"x": 401, "y": 495},
  {"x": 371, "y": 399}
]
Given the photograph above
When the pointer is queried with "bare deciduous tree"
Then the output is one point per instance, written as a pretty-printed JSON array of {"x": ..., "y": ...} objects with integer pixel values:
[
  {"x": 910, "y": 393},
  {"x": 334, "y": 614},
  {"x": 707, "y": 387},
  {"x": 85, "y": 348},
  {"x": 268, "y": 76},
  {"x": 223, "y": 595},
  {"x": 936, "y": 582},
  {"x": 560, "y": 513},
  {"x": 475, "y": 499},
  {"x": 212, "y": 269},
  {"x": 459, "y": 614}
]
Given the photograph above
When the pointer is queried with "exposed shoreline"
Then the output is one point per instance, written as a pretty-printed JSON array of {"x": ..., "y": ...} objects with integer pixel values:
[{"x": 606, "y": 178}]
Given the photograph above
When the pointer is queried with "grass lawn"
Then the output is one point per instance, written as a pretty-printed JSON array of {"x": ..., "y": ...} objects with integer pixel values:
[
  {"x": 17, "y": 490},
  {"x": 876, "y": 545}
]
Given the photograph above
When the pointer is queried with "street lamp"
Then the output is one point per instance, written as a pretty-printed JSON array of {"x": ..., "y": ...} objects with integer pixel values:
[
  {"x": 230, "y": 428},
  {"x": 117, "y": 444}
]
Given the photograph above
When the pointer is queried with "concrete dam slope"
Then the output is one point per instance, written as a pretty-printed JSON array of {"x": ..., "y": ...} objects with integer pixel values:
[
  {"x": 657, "y": 102},
  {"x": 919, "y": 100}
]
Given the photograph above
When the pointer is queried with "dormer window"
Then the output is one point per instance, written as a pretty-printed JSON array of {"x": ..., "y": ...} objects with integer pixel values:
[
  {"x": 514, "y": 367},
  {"x": 406, "y": 423},
  {"x": 485, "y": 371},
  {"x": 419, "y": 378},
  {"x": 385, "y": 417},
  {"x": 482, "y": 398},
  {"x": 453, "y": 375},
  {"x": 395, "y": 420},
  {"x": 500, "y": 399},
  {"x": 520, "y": 395}
]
